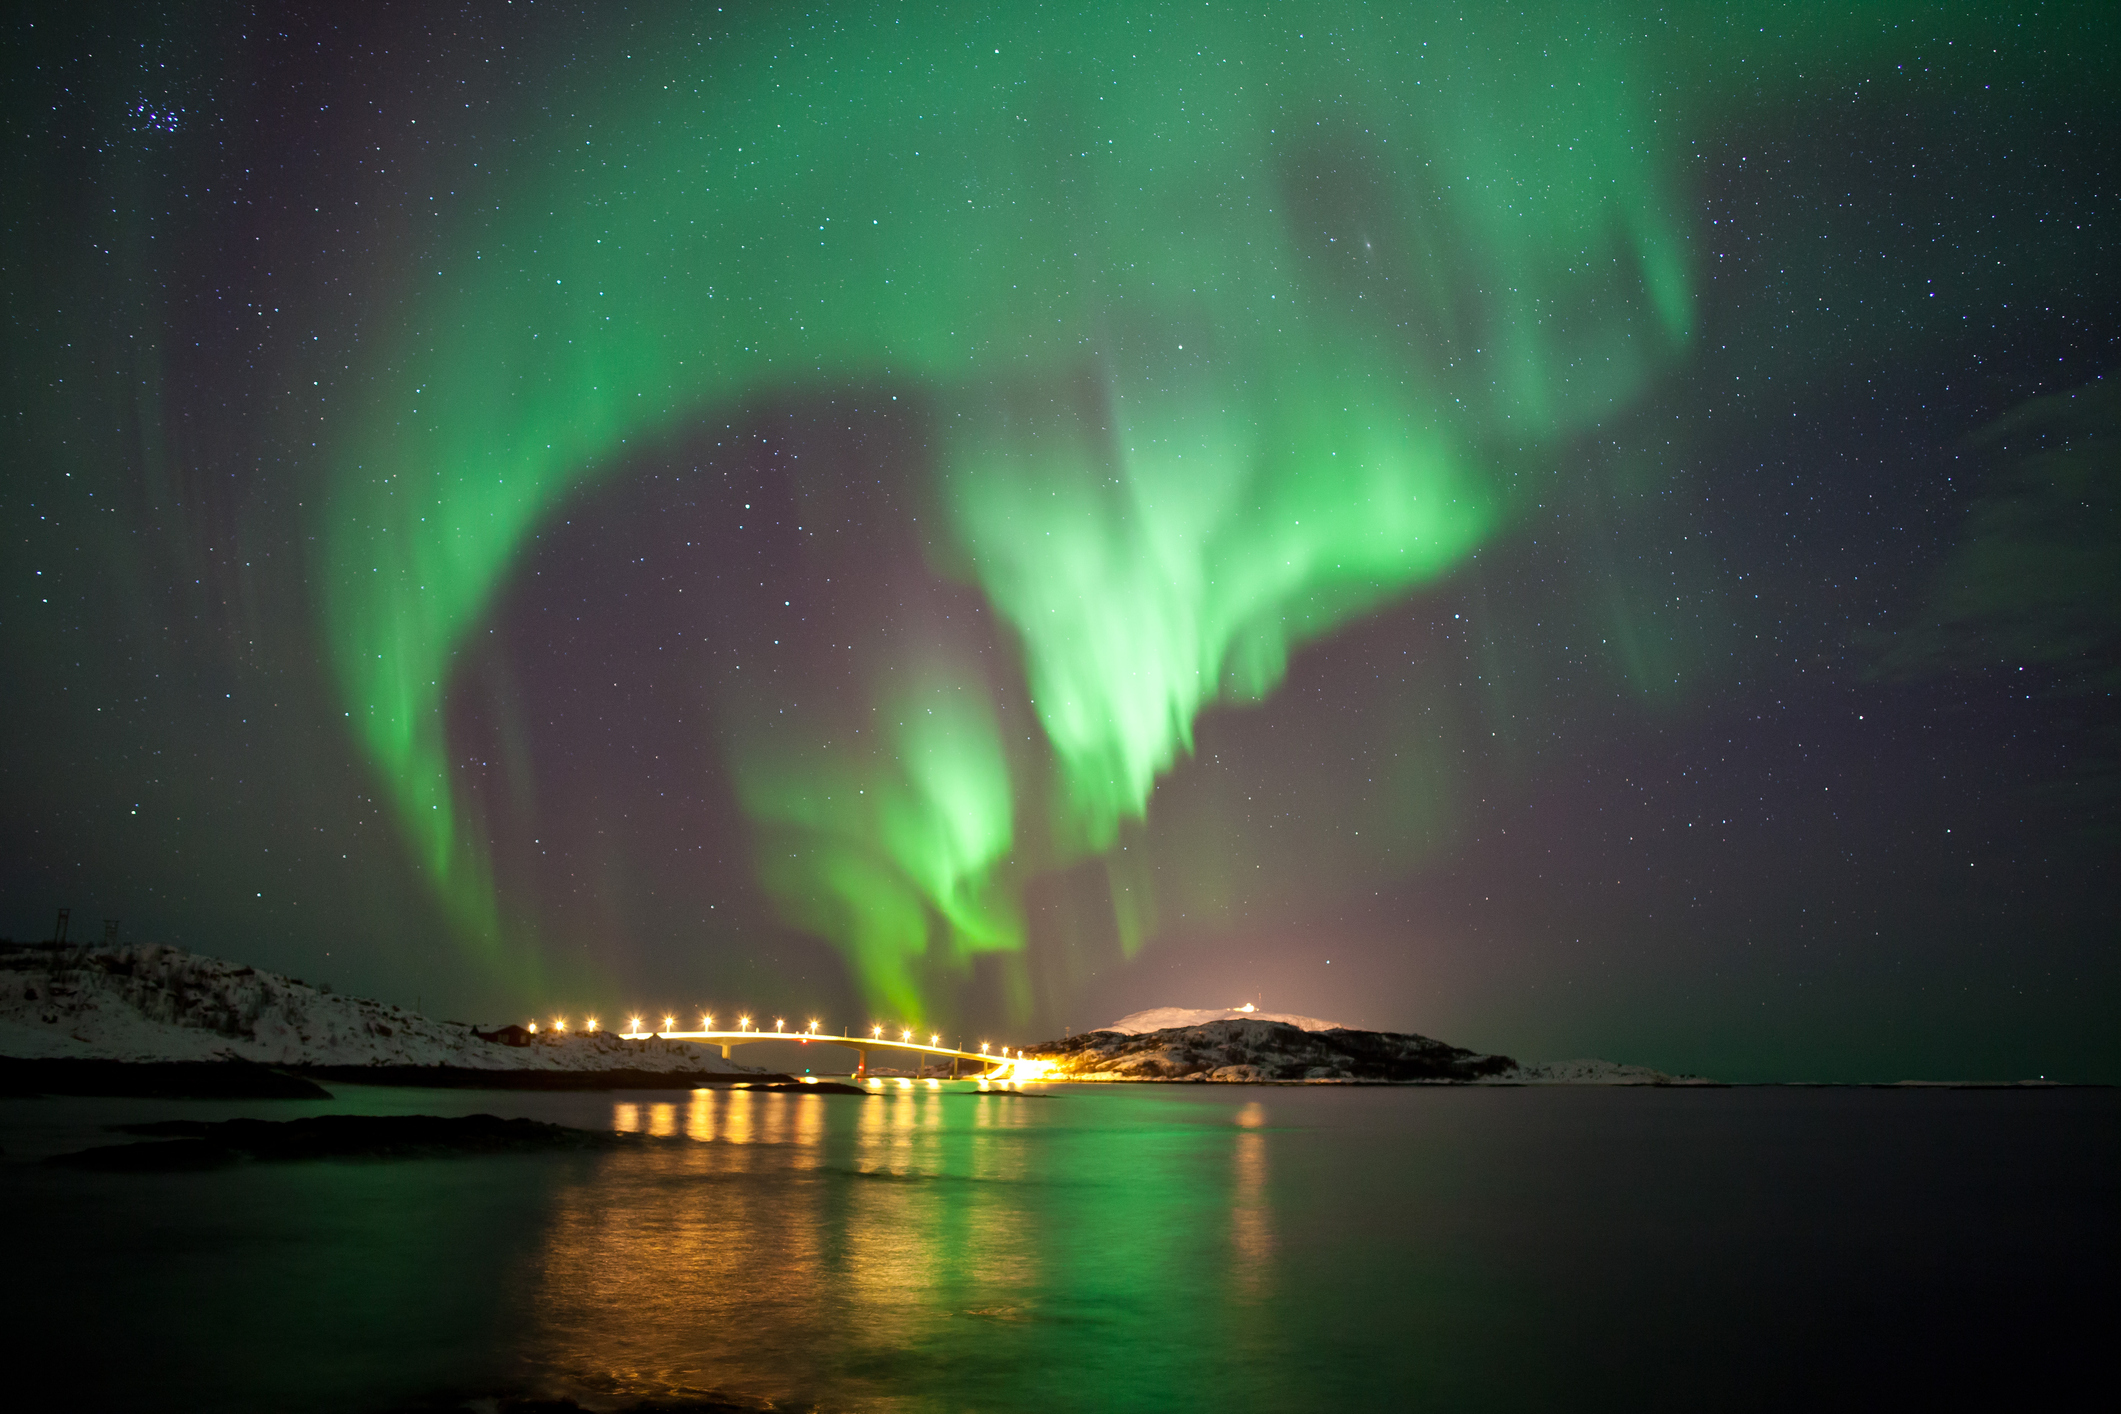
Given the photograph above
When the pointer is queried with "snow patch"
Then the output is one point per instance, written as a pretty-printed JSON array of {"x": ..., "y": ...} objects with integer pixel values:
[
  {"x": 1252, "y": 1048},
  {"x": 153, "y": 1003},
  {"x": 1171, "y": 1018}
]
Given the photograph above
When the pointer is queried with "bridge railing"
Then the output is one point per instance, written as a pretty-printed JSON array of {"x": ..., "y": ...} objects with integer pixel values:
[{"x": 996, "y": 1060}]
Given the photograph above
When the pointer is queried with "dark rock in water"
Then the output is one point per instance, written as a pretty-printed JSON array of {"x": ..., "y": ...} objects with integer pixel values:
[
  {"x": 1256, "y": 1051},
  {"x": 821, "y": 1087},
  {"x": 162, "y": 1080},
  {"x": 191, "y": 1145},
  {"x": 459, "y": 1077},
  {"x": 176, "y": 1156}
]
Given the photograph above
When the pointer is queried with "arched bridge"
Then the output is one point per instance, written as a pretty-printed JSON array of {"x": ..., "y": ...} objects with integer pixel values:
[{"x": 998, "y": 1063}]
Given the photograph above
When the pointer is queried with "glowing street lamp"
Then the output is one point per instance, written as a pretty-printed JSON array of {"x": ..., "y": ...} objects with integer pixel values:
[
  {"x": 635, "y": 1025},
  {"x": 779, "y": 1025},
  {"x": 592, "y": 1024},
  {"x": 559, "y": 1023},
  {"x": 877, "y": 1032},
  {"x": 936, "y": 1040},
  {"x": 670, "y": 1023},
  {"x": 983, "y": 1048},
  {"x": 743, "y": 1023},
  {"x": 813, "y": 1026},
  {"x": 706, "y": 1022},
  {"x": 906, "y": 1035}
]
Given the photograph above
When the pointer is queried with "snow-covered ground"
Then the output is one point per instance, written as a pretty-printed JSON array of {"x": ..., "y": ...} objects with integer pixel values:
[
  {"x": 1254, "y": 1048},
  {"x": 1181, "y": 1043},
  {"x": 1170, "y": 1018},
  {"x": 150, "y": 1003}
]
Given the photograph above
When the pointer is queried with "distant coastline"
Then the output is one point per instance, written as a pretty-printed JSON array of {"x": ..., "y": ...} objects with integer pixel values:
[{"x": 153, "y": 1021}]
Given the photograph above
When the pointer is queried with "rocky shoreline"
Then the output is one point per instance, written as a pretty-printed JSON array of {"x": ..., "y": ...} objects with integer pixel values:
[
  {"x": 1257, "y": 1051},
  {"x": 448, "y": 1077}
]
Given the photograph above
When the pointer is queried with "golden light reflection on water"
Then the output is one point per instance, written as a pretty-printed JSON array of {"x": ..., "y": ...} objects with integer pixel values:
[
  {"x": 700, "y": 1116},
  {"x": 1251, "y": 1215},
  {"x": 814, "y": 1249}
]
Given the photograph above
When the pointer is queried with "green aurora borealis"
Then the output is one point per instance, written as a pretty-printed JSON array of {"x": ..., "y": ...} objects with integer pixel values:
[
  {"x": 1217, "y": 323},
  {"x": 1015, "y": 495}
]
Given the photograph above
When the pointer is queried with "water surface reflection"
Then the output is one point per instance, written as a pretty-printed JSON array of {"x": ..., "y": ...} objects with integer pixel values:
[
  {"x": 1111, "y": 1248},
  {"x": 833, "y": 1248}
]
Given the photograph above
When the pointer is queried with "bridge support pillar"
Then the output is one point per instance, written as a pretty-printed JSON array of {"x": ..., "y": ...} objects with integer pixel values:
[{"x": 728, "y": 1051}]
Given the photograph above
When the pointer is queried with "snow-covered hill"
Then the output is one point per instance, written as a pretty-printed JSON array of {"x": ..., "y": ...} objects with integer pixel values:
[
  {"x": 150, "y": 1003},
  {"x": 1236, "y": 1047},
  {"x": 1251, "y": 1049},
  {"x": 1171, "y": 1018}
]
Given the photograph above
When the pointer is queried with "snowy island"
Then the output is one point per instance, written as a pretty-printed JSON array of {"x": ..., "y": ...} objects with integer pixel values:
[
  {"x": 159, "y": 1020},
  {"x": 1243, "y": 1045}
]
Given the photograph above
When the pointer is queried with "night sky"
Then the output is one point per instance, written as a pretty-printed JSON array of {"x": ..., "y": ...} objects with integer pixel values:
[{"x": 1589, "y": 531}]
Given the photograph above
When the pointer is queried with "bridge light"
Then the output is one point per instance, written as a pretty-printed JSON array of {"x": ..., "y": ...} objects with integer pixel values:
[
  {"x": 779, "y": 1025},
  {"x": 983, "y": 1048},
  {"x": 592, "y": 1023},
  {"x": 743, "y": 1023},
  {"x": 906, "y": 1035},
  {"x": 706, "y": 1022},
  {"x": 636, "y": 1025},
  {"x": 877, "y": 1032},
  {"x": 670, "y": 1023},
  {"x": 559, "y": 1023},
  {"x": 935, "y": 1040},
  {"x": 813, "y": 1026}
]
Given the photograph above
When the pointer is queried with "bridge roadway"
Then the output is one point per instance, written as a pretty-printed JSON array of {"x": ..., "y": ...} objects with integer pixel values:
[{"x": 1001, "y": 1064}]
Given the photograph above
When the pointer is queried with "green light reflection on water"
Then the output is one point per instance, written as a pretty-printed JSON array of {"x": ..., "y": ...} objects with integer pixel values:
[{"x": 927, "y": 1247}]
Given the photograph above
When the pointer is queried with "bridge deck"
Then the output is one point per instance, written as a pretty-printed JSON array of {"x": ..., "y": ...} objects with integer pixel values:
[{"x": 861, "y": 1045}]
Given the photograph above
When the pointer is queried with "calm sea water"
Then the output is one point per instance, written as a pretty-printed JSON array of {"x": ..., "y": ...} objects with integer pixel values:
[{"x": 1107, "y": 1248}]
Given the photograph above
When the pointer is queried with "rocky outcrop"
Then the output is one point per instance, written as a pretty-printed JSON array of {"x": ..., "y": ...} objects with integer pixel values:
[
  {"x": 1594, "y": 1072},
  {"x": 1256, "y": 1051}
]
